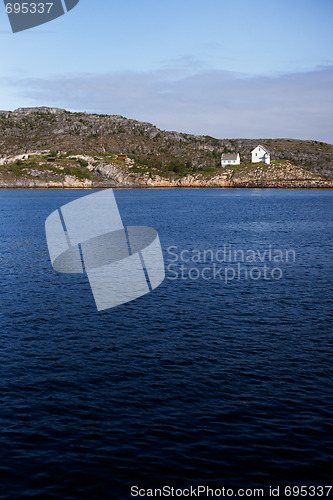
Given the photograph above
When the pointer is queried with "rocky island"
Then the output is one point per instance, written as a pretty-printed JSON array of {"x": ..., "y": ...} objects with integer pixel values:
[{"x": 54, "y": 148}]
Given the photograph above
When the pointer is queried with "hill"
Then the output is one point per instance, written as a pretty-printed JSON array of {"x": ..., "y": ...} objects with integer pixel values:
[{"x": 51, "y": 146}]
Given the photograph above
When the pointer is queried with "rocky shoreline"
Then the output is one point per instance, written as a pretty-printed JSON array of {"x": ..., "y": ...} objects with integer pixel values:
[{"x": 21, "y": 183}]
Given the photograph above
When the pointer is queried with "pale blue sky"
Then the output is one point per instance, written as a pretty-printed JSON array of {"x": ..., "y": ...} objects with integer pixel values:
[{"x": 236, "y": 68}]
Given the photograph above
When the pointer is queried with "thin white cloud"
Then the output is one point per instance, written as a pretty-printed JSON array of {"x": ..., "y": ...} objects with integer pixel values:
[{"x": 217, "y": 103}]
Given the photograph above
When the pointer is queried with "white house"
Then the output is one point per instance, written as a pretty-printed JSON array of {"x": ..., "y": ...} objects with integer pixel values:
[
  {"x": 230, "y": 159},
  {"x": 261, "y": 154}
]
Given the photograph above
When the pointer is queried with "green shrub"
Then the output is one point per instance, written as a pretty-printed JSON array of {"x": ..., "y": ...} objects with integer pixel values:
[{"x": 83, "y": 163}]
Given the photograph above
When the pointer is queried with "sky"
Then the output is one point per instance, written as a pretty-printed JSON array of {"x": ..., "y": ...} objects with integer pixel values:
[{"x": 229, "y": 69}]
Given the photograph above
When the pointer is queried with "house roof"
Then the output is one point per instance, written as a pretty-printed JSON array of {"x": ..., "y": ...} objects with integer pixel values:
[
  {"x": 228, "y": 156},
  {"x": 263, "y": 147}
]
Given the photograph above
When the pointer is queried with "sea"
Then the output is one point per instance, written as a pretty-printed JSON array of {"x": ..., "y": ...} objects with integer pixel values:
[{"x": 216, "y": 384}]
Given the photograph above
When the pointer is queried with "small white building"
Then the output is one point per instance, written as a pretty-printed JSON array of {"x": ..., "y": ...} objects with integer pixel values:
[
  {"x": 230, "y": 159},
  {"x": 261, "y": 154}
]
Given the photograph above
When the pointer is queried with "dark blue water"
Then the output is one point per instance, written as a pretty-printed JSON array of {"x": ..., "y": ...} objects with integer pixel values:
[{"x": 198, "y": 382}]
